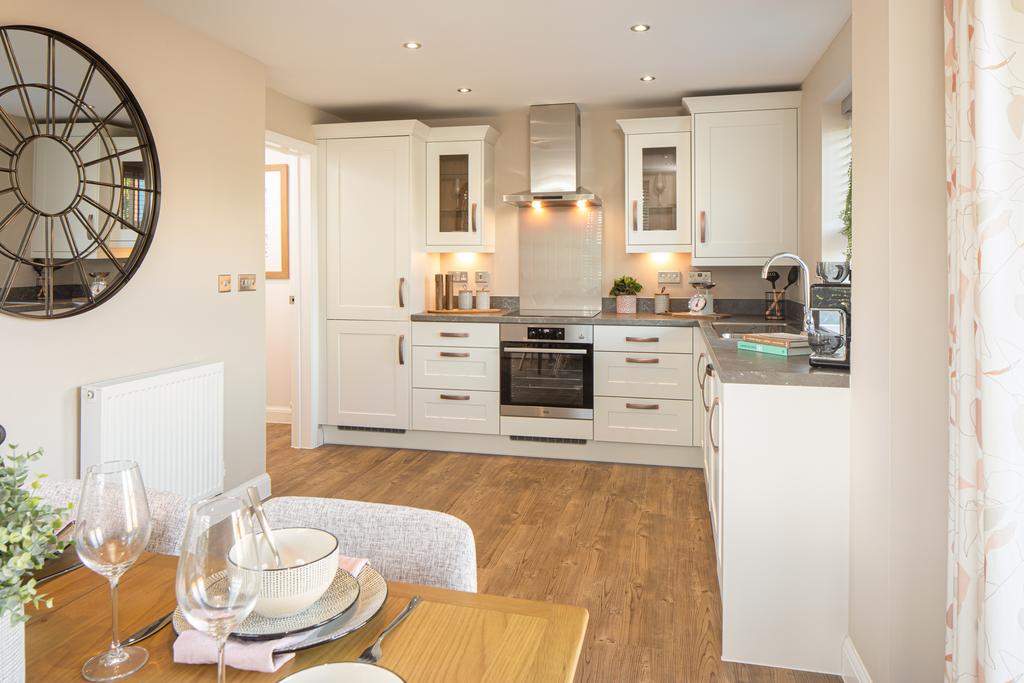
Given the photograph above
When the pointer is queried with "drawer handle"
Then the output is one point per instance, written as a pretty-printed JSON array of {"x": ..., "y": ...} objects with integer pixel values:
[
  {"x": 455, "y": 335},
  {"x": 642, "y": 406},
  {"x": 454, "y": 397},
  {"x": 646, "y": 340},
  {"x": 454, "y": 354},
  {"x": 700, "y": 371},
  {"x": 651, "y": 361}
]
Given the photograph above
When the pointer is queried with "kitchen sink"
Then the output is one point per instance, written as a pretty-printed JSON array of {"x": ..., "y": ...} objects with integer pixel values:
[{"x": 727, "y": 330}]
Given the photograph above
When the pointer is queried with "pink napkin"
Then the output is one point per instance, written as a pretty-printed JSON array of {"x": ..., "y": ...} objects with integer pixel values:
[{"x": 196, "y": 647}]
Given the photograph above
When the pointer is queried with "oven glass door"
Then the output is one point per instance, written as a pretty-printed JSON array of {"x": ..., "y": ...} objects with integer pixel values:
[{"x": 548, "y": 375}]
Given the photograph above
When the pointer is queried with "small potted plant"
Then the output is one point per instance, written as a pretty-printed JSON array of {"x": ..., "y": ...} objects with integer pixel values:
[
  {"x": 625, "y": 290},
  {"x": 28, "y": 536}
]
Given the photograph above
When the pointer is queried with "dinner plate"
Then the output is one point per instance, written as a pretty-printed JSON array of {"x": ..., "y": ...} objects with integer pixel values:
[
  {"x": 349, "y": 672},
  {"x": 340, "y": 596}
]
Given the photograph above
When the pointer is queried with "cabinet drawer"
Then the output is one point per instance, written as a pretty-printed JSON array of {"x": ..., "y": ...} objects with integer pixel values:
[
  {"x": 643, "y": 375},
  {"x": 653, "y": 421},
  {"x": 467, "y": 412},
  {"x": 454, "y": 367},
  {"x": 483, "y": 335},
  {"x": 643, "y": 338}
]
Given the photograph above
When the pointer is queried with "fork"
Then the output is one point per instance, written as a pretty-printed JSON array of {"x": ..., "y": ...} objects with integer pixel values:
[{"x": 372, "y": 654}]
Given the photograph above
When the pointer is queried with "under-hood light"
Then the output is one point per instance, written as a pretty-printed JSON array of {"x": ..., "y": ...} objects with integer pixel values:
[{"x": 537, "y": 204}]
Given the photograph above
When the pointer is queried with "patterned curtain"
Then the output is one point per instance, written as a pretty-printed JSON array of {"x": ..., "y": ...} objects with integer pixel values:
[{"x": 985, "y": 182}]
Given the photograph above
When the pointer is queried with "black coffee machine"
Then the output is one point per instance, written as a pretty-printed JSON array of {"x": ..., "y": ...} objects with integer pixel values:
[{"x": 830, "y": 342}]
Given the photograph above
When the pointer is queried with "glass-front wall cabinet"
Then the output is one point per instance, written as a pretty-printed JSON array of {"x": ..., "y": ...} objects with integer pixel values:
[
  {"x": 460, "y": 190},
  {"x": 658, "y": 207}
]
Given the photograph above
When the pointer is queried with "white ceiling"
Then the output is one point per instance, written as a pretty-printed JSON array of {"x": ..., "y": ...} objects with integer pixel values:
[{"x": 347, "y": 57}]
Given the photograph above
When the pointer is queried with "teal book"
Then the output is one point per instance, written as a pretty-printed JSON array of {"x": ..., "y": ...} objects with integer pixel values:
[{"x": 774, "y": 350}]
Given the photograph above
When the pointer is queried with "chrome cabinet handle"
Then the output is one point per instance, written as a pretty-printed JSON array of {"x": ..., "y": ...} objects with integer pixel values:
[
  {"x": 401, "y": 295},
  {"x": 473, "y": 214},
  {"x": 453, "y": 354},
  {"x": 645, "y": 340},
  {"x": 703, "y": 227},
  {"x": 634, "y": 215},
  {"x": 711, "y": 419},
  {"x": 457, "y": 335},
  {"x": 401, "y": 349},
  {"x": 453, "y": 397},
  {"x": 642, "y": 406},
  {"x": 643, "y": 360},
  {"x": 700, "y": 373}
]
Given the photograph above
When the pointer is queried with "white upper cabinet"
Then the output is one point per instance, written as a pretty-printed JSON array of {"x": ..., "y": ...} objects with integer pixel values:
[
  {"x": 745, "y": 177},
  {"x": 460, "y": 189},
  {"x": 373, "y": 215},
  {"x": 658, "y": 206}
]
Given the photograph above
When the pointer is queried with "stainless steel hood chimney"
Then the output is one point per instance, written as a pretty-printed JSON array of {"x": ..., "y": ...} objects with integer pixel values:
[{"x": 554, "y": 159}]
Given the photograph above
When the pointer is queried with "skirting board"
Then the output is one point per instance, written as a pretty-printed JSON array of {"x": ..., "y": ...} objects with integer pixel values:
[
  {"x": 854, "y": 670},
  {"x": 261, "y": 482},
  {"x": 279, "y": 414},
  {"x": 597, "y": 451}
]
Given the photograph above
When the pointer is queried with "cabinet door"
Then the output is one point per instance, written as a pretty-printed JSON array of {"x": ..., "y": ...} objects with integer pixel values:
[
  {"x": 658, "y": 207},
  {"x": 745, "y": 166},
  {"x": 455, "y": 194},
  {"x": 700, "y": 400},
  {"x": 367, "y": 202},
  {"x": 368, "y": 381}
]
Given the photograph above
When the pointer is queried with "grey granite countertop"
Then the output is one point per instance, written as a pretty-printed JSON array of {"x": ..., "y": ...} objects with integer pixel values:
[{"x": 605, "y": 318}]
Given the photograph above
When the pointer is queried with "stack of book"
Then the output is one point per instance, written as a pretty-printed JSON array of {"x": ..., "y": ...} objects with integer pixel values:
[{"x": 776, "y": 343}]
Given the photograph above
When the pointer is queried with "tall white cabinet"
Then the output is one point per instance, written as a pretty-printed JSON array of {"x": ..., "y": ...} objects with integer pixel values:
[
  {"x": 372, "y": 210},
  {"x": 745, "y": 155}
]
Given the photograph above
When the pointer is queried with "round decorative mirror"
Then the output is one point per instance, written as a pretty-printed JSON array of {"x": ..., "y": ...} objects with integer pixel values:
[{"x": 79, "y": 178}]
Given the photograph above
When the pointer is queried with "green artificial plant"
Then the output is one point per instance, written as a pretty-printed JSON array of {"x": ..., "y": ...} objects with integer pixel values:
[
  {"x": 625, "y": 286},
  {"x": 28, "y": 534},
  {"x": 846, "y": 215}
]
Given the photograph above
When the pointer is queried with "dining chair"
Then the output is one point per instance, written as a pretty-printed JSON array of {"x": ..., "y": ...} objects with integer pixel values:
[
  {"x": 403, "y": 543},
  {"x": 168, "y": 511}
]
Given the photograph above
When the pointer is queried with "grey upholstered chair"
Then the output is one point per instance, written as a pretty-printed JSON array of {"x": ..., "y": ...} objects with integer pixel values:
[
  {"x": 402, "y": 543},
  {"x": 168, "y": 511}
]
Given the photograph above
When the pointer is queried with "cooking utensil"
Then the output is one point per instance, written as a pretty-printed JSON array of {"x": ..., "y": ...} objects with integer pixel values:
[
  {"x": 773, "y": 277},
  {"x": 261, "y": 517},
  {"x": 373, "y": 653},
  {"x": 149, "y": 629},
  {"x": 794, "y": 275}
]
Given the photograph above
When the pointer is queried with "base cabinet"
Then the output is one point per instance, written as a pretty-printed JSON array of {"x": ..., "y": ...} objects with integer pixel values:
[
  {"x": 652, "y": 421},
  {"x": 369, "y": 380},
  {"x": 446, "y": 410}
]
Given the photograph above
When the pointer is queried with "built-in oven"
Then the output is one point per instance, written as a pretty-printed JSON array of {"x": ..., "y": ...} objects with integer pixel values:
[{"x": 547, "y": 371}]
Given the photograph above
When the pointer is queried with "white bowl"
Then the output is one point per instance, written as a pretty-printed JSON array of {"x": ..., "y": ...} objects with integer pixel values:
[
  {"x": 309, "y": 561},
  {"x": 349, "y": 672}
]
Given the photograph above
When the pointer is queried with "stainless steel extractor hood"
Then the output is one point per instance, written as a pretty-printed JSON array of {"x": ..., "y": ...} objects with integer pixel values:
[{"x": 554, "y": 159}]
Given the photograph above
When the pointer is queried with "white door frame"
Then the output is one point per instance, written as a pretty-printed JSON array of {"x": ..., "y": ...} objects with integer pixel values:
[{"x": 306, "y": 371}]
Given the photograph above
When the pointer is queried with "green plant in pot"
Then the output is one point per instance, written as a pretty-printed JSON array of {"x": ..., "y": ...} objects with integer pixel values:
[
  {"x": 625, "y": 289},
  {"x": 28, "y": 537}
]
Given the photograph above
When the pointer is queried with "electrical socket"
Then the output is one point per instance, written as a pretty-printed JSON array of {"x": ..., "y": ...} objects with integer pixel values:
[
  {"x": 459, "y": 276},
  {"x": 670, "y": 278},
  {"x": 223, "y": 283},
  {"x": 482, "y": 277},
  {"x": 699, "y": 277},
  {"x": 247, "y": 282}
]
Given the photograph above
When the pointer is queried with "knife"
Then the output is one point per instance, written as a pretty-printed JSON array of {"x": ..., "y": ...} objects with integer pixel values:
[{"x": 147, "y": 631}]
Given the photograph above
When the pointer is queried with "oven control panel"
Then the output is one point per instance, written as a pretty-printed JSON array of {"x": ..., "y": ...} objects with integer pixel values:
[{"x": 546, "y": 333}]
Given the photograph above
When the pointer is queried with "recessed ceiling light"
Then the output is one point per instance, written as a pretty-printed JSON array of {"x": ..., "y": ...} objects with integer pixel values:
[
  {"x": 464, "y": 90},
  {"x": 647, "y": 79},
  {"x": 412, "y": 45},
  {"x": 640, "y": 28}
]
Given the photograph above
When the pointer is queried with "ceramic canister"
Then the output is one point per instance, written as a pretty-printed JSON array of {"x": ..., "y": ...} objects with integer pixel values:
[
  {"x": 465, "y": 300},
  {"x": 661, "y": 303},
  {"x": 483, "y": 299}
]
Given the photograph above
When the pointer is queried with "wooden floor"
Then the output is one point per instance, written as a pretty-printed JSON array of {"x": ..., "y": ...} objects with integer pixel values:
[{"x": 630, "y": 543}]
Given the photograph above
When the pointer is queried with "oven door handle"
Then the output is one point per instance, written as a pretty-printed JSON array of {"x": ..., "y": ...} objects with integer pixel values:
[{"x": 528, "y": 349}]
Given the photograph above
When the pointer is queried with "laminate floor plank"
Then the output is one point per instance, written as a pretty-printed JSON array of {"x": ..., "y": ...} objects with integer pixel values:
[{"x": 630, "y": 543}]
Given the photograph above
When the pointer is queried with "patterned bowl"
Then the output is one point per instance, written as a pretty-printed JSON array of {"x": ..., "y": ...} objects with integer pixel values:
[{"x": 309, "y": 559}]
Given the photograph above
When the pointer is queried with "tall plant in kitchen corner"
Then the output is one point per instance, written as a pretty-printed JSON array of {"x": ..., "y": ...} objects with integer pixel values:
[
  {"x": 28, "y": 536},
  {"x": 625, "y": 289}
]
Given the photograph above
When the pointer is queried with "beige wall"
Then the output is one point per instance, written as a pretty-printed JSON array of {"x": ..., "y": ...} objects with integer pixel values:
[
  {"x": 898, "y": 382},
  {"x": 603, "y": 171},
  {"x": 293, "y": 118},
  {"x": 205, "y": 104}
]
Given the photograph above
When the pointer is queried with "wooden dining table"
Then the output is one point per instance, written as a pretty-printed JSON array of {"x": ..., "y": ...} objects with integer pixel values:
[{"x": 451, "y": 636}]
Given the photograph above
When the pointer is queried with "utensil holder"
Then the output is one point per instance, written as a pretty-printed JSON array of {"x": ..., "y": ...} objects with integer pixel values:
[{"x": 774, "y": 308}]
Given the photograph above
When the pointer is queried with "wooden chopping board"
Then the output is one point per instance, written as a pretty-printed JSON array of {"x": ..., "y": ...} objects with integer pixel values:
[
  {"x": 470, "y": 311},
  {"x": 700, "y": 316}
]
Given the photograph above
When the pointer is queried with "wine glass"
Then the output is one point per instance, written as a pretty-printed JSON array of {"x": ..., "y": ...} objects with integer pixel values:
[
  {"x": 219, "y": 573},
  {"x": 111, "y": 531}
]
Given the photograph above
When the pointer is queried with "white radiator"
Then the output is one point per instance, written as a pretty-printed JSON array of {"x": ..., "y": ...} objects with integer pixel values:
[{"x": 169, "y": 421}]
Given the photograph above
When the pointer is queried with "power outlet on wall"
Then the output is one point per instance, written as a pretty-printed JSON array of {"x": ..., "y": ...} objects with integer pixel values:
[
  {"x": 482, "y": 278},
  {"x": 459, "y": 276},
  {"x": 670, "y": 278},
  {"x": 699, "y": 277}
]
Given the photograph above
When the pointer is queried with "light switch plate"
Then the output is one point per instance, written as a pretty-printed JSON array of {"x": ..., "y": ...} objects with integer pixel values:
[
  {"x": 482, "y": 277},
  {"x": 702, "y": 277},
  {"x": 459, "y": 276},
  {"x": 670, "y": 278},
  {"x": 247, "y": 282},
  {"x": 223, "y": 283}
]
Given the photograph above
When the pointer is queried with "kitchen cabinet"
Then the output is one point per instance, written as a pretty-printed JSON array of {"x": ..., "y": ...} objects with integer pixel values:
[
  {"x": 466, "y": 412},
  {"x": 745, "y": 173},
  {"x": 372, "y": 179},
  {"x": 453, "y": 367},
  {"x": 651, "y": 421},
  {"x": 700, "y": 404},
  {"x": 460, "y": 189},
  {"x": 643, "y": 375},
  {"x": 658, "y": 208},
  {"x": 368, "y": 366}
]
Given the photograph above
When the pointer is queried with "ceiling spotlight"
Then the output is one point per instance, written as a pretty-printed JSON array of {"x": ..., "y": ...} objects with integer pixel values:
[
  {"x": 639, "y": 28},
  {"x": 412, "y": 45},
  {"x": 647, "y": 79},
  {"x": 464, "y": 90}
]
